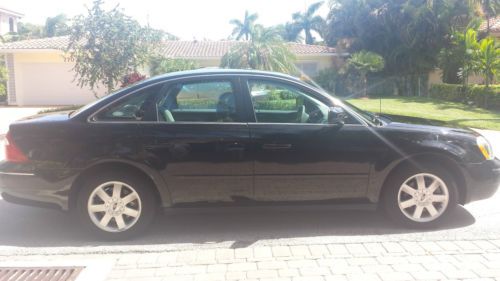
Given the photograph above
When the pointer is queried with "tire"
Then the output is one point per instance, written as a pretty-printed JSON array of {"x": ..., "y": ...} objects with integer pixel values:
[
  {"x": 420, "y": 208},
  {"x": 134, "y": 203}
]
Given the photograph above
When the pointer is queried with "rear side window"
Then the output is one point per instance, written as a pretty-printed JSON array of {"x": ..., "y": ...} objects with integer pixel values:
[
  {"x": 204, "y": 101},
  {"x": 139, "y": 106}
]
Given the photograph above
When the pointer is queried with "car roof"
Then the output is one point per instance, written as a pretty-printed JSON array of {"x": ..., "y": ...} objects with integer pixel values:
[{"x": 215, "y": 70}]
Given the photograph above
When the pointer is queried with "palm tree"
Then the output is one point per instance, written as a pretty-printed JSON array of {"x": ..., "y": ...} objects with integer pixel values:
[
  {"x": 487, "y": 60},
  {"x": 289, "y": 32},
  {"x": 365, "y": 62},
  {"x": 56, "y": 26},
  {"x": 244, "y": 28},
  {"x": 264, "y": 51},
  {"x": 308, "y": 22}
]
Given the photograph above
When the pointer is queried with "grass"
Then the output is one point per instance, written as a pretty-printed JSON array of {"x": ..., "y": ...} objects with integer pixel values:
[{"x": 420, "y": 107}]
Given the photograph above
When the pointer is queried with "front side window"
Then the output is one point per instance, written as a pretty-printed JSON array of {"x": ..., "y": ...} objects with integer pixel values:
[
  {"x": 204, "y": 101},
  {"x": 139, "y": 106},
  {"x": 280, "y": 103}
]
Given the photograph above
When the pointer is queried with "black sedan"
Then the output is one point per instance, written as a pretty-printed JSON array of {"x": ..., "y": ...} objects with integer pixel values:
[{"x": 237, "y": 137}]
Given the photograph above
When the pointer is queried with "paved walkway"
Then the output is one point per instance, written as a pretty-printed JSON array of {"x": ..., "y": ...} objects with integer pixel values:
[{"x": 405, "y": 260}]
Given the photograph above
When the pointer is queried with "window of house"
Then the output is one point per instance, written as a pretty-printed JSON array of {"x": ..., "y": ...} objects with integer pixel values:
[
  {"x": 11, "y": 25},
  {"x": 308, "y": 68}
]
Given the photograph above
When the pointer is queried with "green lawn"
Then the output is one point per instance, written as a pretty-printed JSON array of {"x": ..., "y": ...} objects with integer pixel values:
[{"x": 451, "y": 112}]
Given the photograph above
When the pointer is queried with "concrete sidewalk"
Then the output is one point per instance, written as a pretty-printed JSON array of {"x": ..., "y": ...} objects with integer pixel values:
[{"x": 404, "y": 260}]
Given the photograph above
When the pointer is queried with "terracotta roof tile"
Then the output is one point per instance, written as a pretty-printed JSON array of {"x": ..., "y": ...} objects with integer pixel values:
[
  {"x": 494, "y": 25},
  {"x": 177, "y": 49}
]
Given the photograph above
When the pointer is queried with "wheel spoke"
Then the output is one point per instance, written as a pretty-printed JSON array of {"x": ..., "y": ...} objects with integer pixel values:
[
  {"x": 434, "y": 185},
  {"x": 117, "y": 189},
  {"x": 97, "y": 208},
  {"x": 129, "y": 198},
  {"x": 418, "y": 212},
  {"x": 408, "y": 189},
  {"x": 120, "y": 222},
  {"x": 420, "y": 182},
  {"x": 103, "y": 195},
  {"x": 105, "y": 220},
  {"x": 131, "y": 212},
  {"x": 432, "y": 210},
  {"x": 439, "y": 198},
  {"x": 408, "y": 203}
]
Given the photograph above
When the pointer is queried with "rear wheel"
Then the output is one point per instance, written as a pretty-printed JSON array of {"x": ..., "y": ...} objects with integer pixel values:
[
  {"x": 115, "y": 205},
  {"x": 420, "y": 197}
]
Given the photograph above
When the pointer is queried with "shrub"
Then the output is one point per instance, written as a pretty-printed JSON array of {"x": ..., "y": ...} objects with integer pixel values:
[
  {"x": 480, "y": 95},
  {"x": 485, "y": 97},
  {"x": 448, "y": 92},
  {"x": 160, "y": 65}
]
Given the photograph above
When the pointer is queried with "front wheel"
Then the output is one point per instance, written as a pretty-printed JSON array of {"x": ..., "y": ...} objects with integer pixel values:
[
  {"x": 420, "y": 197},
  {"x": 116, "y": 206}
]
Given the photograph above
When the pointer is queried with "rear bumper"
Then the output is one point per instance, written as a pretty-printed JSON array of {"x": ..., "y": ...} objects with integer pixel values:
[
  {"x": 35, "y": 188},
  {"x": 482, "y": 180}
]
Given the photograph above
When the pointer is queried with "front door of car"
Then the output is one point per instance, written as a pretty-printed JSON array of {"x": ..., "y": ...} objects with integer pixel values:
[
  {"x": 298, "y": 155},
  {"x": 199, "y": 142}
]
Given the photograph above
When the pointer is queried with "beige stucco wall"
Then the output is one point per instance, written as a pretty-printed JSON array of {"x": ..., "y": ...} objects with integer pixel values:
[{"x": 435, "y": 78}]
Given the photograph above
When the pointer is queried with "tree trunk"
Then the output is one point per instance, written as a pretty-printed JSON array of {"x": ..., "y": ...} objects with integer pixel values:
[{"x": 309, "y": 38}]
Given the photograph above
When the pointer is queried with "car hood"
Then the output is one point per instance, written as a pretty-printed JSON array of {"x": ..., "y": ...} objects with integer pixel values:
[{"x": 426, "y": 125}]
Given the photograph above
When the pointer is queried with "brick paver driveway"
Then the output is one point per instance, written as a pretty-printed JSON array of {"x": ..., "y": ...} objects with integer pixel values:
[{"x": 310, "y": 244}]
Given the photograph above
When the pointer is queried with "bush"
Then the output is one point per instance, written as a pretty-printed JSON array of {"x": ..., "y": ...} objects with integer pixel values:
[
  {"x": 3, "y": 95},
  {"x": 485, "y": 97},
  {"x": 481, "y": 96},
  {"x": 448, "y": 92}
]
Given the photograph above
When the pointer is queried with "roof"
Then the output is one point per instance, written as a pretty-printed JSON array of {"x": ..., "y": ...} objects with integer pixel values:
[
  {"x": 177, "y": 49},
  {"x": 494, "y": 25},
  {"x": 10, "y": 12}
]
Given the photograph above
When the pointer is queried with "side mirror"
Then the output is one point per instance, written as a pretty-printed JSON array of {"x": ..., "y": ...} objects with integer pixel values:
[{"x": 336, "y": 116}]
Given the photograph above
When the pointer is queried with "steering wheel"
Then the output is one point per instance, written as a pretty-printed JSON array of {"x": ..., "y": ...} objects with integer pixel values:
[{"x": 315, "y": 116}]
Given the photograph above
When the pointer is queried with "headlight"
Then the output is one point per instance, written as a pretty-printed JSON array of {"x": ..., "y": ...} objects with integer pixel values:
[{"x": 485, "y": 148}]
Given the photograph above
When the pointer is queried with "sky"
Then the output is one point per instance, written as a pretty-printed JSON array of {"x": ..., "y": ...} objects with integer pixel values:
[{"x": 188, "y": 19}]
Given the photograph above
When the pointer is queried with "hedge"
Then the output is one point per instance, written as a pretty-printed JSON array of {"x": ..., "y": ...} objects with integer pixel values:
[{"x": 479, "y": 95}]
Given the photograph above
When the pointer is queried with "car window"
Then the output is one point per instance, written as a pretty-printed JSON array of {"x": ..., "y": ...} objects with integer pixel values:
[
  {"x": 138, "y": 106},
  {"x": 205, "y": 101},
  {"x": 280, "y": 103}
]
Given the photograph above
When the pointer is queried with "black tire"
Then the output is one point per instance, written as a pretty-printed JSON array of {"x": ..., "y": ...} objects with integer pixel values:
[
  {"x": 391, "y": 193},
  {"x": 141, "y": 186}
]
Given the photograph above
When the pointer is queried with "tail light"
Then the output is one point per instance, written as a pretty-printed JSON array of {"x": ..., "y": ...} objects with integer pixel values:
[{"x": 12, "y": 152}]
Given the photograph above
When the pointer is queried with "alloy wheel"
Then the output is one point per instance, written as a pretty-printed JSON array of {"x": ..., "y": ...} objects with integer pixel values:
[
  {"x": 114, "y": 206},
  {"x": 423, "y": 197}
]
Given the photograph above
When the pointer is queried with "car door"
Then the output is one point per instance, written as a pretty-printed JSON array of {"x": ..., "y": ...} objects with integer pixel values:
[
  {"x": 297, "y": 154},
  {"x": 200, "y": 142}
]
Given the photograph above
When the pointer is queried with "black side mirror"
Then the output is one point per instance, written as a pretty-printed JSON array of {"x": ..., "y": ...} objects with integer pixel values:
[{"x": 336, "y": 116}]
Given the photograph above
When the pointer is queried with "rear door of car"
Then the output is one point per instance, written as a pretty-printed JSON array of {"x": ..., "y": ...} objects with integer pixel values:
[
  {"x": 200, "y": 142},
  {"x": 297, "y": 155}
]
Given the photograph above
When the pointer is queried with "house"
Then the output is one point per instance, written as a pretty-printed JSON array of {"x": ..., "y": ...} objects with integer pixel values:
[
  {"x": 40, "y": 73},
  {"x": 8, "y": 20},
  {"x": 494, "y": 27}
]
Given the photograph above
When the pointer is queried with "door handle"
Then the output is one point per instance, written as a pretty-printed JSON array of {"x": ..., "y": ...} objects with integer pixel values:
[{"x": 276, "y": 146}]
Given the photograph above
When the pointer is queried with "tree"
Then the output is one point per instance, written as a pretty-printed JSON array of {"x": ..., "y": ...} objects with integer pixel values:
[
  {"x": 363, "y": 63},
  {"x": 265, "y": 51},
  {"x": 160, "y": 65},
  {"x": 56, "y": 26},
  {"x": 487, "y": 61},
  {"x": 3, "y": 79},
  {"x": 289, "y": 32},
  {"x": 408, "y": 34},
  {"x": 487, "y": 8},
  {"x": 245, "y": 27},
  {"x": 308, "y": 22},
  {"x": 106, "y": 45}
]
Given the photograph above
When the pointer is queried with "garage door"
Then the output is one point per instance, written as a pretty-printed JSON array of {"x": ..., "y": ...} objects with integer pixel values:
[{"x": 49, "y": 84}]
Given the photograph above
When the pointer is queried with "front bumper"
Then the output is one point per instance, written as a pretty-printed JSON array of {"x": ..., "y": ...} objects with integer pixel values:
[
  {"x": 23, "y": 185},
  {"x": 482, "y": 180}
]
